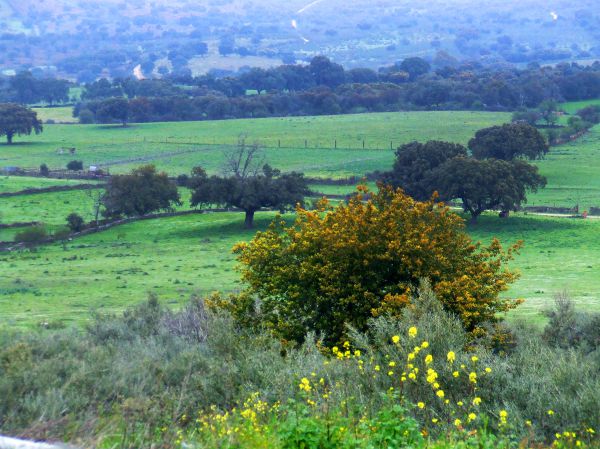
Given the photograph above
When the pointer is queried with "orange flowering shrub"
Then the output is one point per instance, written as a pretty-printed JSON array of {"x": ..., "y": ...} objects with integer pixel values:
[{"x": 346, "y": 264}]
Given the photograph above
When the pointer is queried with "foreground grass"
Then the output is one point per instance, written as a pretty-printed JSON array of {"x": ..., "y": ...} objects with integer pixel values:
[{"x": 176, "y": 257}]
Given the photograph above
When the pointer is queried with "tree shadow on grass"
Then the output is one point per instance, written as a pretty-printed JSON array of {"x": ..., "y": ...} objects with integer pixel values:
[{"x": 524, "y": 224}]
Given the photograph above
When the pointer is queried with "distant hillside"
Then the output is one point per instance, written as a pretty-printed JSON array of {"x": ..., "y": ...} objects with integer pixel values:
[{"x": 84, "y": 39}]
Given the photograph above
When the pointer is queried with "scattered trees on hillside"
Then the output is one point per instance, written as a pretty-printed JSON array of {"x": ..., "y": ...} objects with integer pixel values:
[
  {"x": 141, "y": 192},
  {"x": 493, "y": 179},
  {"x": 341, "y": 266},
  {"x": 18, "y": 120},
  {"x": 248, "y": 184}
]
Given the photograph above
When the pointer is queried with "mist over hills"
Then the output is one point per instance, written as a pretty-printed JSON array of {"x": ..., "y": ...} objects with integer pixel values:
[{"x": 84, "y": 40}]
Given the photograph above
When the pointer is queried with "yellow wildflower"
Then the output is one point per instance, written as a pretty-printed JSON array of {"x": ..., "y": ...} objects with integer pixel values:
[
  {"x": 396, "y": 339},
  {"x": 425, "y": 345},
  {"x": 476, "y": 401},
  {"x": 377, "y": 368},
  {"x": 550, "y": 412},
  {"x": 440, "y": 393},
  {"x": 455, "y": 373},
  {"x": 474, "y": 359},
  {"x": 428, "y": 359},
  {"x": 473, "y": 377},
  {"x": 412, "y": 332},
  {"x": 457, "y": 422},
  {"x": 472, "y": 417},
  {"x": 451, "y": 356},
  {"x": 421, "y": 405}
]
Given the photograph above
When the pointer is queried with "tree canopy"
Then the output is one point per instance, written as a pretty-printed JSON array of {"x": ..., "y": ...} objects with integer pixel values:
[
  {"x": 509, "y": 141},
  {"x": 139, "y": 193},
  {"x": 269, "y": 188},
  {"x": 19, "y": 120},
  {"x": 415, "y": 163},
  {"x": 488, "y": 184},
  {"x": 344, "y": 265}
]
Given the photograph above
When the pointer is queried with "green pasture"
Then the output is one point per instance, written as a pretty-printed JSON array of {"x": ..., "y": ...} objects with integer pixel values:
[
  {"x": 58, "y": 114},
  {"x": 307, "y": 143},
  {"x": 18, "y": 183},
  {"x": 574, "y": 106},
  {"x": 572, "y": 171},
  {"x": 176, "y": 257},
  {"x": 52, "y": 208}
]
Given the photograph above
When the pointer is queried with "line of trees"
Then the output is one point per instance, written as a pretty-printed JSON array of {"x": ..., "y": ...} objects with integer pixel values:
[{"x": 323, "y": 87}]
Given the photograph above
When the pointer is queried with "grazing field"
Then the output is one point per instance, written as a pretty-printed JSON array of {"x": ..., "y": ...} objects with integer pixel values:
[
  {"x": 62, "y": 114},
  {"x": 18, "y": 183},
  {"x": 176, "y": 147},
  {"x": 176, "y": 257},
  {"x": 572, "y": 171}
]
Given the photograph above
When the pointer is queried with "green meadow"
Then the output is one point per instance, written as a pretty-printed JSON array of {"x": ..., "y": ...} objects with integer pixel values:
[
  {"x": 177, "y": 147},
  {"x": 180, "y": 256}
]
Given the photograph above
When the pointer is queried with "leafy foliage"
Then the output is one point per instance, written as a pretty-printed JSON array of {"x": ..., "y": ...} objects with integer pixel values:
[
  {"x": 487, "y": 184},
  {"x": 19, "y": 120},
  {"x": 139, "y": 193},
  {"x": 342, "y": 266},
  {"x": 508, "y": 142},
  {"x": 415, "y": 164}
]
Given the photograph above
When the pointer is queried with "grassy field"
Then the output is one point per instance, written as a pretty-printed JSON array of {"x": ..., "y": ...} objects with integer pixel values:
[
  {"x": 61, "y": 114},
  {"x": 572, "y": 171},
  {"x": 177, "y": 147},
  {"x": 175, "y": 257},
  {"x": 17, "y": 183}
]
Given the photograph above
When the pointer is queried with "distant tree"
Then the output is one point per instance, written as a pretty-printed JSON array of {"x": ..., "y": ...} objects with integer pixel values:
[
  {"x": 101, "y": 89},
  {"x": 44, "y": 171},
  {"x": 139, "y": 193},
  {"x": 113, "y": 110},
  {"x": 86, "y": 117},
  {"x": 590, "y": 114},
  {"x": 19, "y": 120},
  {"x": 326, "y": 73},
  {"x": 549, "y": 112},
  {"x": 75, "y": 222},
  {"x": 25, "y": 87},
  {"x": 415, "y": 67},
  {"x": 75, "y": 165},
  {"x": 415, "y": 163},
  {"x": 53, "y": 90},
  {"x": 508, "y": 142},
  {"x": 529, "y": 116},
  {"x": 489, "y": 184},
  {"x": 247, "y": 186}
]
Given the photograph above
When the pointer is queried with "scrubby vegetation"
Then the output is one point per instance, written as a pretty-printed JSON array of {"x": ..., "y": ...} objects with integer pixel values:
[{"x": 194, "y": 376}]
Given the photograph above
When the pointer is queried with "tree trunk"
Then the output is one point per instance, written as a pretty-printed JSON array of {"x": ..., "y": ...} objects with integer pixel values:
[
  {"x": 9, "y": 137},
  {"x": 249, "y": 220}
]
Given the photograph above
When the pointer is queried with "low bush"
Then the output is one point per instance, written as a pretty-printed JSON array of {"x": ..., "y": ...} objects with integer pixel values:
[{"x": 33, "y": 235}]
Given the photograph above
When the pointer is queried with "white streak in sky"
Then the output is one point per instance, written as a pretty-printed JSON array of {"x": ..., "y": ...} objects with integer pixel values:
[
  {"x": 310, "y": 5},
  {"x": 554, "y": 15},
  {"x": 294, "y": 24}
]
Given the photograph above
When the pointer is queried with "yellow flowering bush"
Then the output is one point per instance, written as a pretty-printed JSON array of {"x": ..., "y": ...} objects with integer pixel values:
[{"x": 346, "y": 264}]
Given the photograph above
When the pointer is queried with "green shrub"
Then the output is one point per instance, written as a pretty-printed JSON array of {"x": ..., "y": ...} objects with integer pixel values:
[
  {"x": 32, "y": 236},
  {"x": 75, "y": 222}
]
